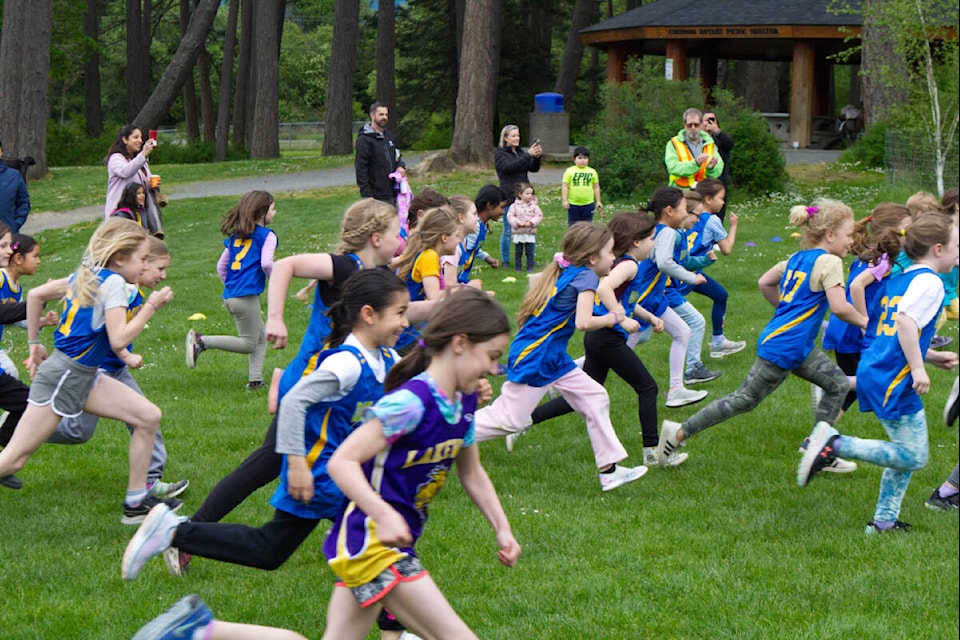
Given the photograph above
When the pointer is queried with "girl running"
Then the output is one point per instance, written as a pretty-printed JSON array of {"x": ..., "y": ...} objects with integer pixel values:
[
  {"x": 801, "y": 288},
  {"x": 559, "y": 302},
  {"x": 606, "y": 348},
  {"x": 24, "y": 260},
  {"x": 466, "y": 212},
  {"x": 244, "y": 266},
  {"x": 315, "y": 417},
  {"x": 93, "y": 322},
  {"x": 490, "y": 201},
  {"x": 891, "y": 372},
  {"x": 393, "y": 466}
]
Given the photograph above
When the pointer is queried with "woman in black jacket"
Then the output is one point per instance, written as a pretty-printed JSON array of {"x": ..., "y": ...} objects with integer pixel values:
[{"x": 513, "y": 164}]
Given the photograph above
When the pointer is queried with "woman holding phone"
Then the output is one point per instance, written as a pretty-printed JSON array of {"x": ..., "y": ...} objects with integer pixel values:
[
  {"x": 126, "y": 164},
  {"x": 513, "y": 164}
]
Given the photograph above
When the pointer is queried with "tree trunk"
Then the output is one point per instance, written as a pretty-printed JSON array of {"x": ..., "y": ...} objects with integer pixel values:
[
  {"x": 240, "y": 101},
  {"x": 226, "y": 76},
  {"x": 583, "y": 14},
  {"x": 386, "y": 60},
  {"x": 338, "y": 120},
  {"x": 265, "y": 135},
  {"x": 25, "y": 79},
  {"x": 207, "y": 107},
  {"x": 878, "y": 57},
  {"x": 137, "y": 72},
  {"x": 92, "y": 104},
  {"x": 180, "y": 65},
  {"x": 473, "y": 122},
  {"x": 190, "y": 117}
]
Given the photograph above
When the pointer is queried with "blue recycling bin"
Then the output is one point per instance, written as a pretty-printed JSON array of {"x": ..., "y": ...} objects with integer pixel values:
[{"x": 548, "y": 103}]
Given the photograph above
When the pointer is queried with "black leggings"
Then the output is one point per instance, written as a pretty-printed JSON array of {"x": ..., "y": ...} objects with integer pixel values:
[
  {"x": 261, "y": 467},
  {"x": 607, "y": 349},
  {"x": 848, "y": 364},
  {"x": 13, "y": 400}
]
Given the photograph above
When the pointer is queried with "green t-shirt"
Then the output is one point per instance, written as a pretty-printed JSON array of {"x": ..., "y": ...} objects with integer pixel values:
[{"x": 580, "y": 184}]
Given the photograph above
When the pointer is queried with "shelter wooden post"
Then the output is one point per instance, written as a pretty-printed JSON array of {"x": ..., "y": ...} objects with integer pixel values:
[
  {"x": 677, "y": 51},
  {"x": 801, "y": 93},
  {"x": 616, "y": 63},
  {"x": 708, "y": 74}
]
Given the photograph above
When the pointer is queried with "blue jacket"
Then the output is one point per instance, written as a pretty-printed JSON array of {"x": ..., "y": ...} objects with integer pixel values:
[{"x": 14, "y": 200}]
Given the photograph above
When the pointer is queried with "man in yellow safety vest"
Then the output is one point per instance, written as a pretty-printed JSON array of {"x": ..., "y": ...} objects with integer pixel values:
[{"x": 692, "y": 155}]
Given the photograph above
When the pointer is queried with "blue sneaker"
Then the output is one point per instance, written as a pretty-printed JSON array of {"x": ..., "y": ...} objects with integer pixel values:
[{"x": 178, "y": 622}]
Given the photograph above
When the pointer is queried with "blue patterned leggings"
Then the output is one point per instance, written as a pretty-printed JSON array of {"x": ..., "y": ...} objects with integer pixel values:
[{"x": 906, "y": 451}]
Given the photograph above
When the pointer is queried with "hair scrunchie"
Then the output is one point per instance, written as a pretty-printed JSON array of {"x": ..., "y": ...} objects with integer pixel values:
[
  {"x": 563, "y": 262},
  {"x": 421, "y": 343},
  {"x": 812, "y": 211}
]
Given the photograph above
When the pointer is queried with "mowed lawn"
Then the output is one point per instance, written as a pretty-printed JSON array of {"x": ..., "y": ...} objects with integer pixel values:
[{"x": 725, "y": 546}]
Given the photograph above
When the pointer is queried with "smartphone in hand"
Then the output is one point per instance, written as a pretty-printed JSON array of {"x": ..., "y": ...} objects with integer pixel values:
[
  {"x": 152, "y": 135},
  {"x": 535, "y": 142}
]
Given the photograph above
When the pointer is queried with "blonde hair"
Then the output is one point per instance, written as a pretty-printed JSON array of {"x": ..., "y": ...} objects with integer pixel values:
[
  {"x": 824, "y": 215},
  {"x": 115, "y": 237},
  {"x": 581, "y": 242},
  {"x": 694, "y": 199},
  {"x": 361, "y": 220},
  {"x": 922, "y": 202},
  {"x": 925, "y": 231},
  {"x": 434, "y": 224},
  {"x": 158, "y": 248},
  {"x": 461, "y": 205},
  {"x": 505, "y": 132}
]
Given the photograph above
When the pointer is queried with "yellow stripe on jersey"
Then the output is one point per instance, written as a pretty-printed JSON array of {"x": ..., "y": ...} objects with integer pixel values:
[
  {"x": 903, "y": 373},
  {"x": 653, "y": 283},
  {"x": 372, "y": 559},
  {"x": 790, "y": 325},
  {"x": 318, "y": 446},
  {"x": 534, "y": 345}
]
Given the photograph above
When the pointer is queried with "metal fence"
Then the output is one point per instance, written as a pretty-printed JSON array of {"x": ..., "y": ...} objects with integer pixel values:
[
  {"x": 910, "y": 161},
  {"x": 306, "y": 135}
]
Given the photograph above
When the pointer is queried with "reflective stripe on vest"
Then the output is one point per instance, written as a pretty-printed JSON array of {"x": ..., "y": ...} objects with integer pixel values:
[{"x": 683, "y": 155}]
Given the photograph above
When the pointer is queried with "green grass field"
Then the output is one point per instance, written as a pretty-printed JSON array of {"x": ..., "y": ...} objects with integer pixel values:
[{"x": 725, "y": 546}]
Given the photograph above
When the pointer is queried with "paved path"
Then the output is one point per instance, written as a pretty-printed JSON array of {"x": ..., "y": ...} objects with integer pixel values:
[{"x": 306, "y": 180}]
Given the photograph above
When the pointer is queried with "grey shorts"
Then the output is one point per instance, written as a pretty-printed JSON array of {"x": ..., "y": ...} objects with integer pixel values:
[
  {"x": 63, "y": 385},
  {"x": 406, "y": 569}
]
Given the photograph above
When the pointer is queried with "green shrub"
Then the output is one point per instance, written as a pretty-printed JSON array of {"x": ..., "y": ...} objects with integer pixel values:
[
  {"x": 437, "y": 133},
  {"x": 869, "y": 150},
  {"x": 638, "y": 117}
]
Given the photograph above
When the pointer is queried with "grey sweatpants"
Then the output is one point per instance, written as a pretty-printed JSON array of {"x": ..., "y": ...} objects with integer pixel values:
[
  {"x": 763, "y": 379},
  {"x": 251, "y": 336},
  {"x": 80, "y": 429}
]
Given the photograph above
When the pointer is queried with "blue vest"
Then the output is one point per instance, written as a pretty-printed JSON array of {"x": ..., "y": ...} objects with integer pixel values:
[
  {"x": 245, "y": 277},
  {"x": 327, "y": 425},
  {"x": 695, "y": 248},
  {"x": 538, "y": 353},
  {"x": 884, "y": 381},
  {"x": 75, "y": 336},
  {"x": 9, "y": 293},
  {"x": 467, "y": 256},
  {"x": 841, "y": 336},
  {"x": 112, "y": 362},
  {"x": 788, "y": 338}
]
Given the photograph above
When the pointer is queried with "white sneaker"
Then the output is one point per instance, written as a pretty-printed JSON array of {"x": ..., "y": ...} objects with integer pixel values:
[
  {"x": 839, "y": 465},
  {"x": 677, "y": 458},
  {"x": 650, "y": 456},
  {"x": 152, "y": 538},
  {"x": 682, "y": 396},
  {"x": 510, "y": 440},
  {"x": 668, "y": 444},
  {"x": 726, "y": 348},
  {"x": 621, "y": 476},
  {"x": 950, "y": 409}
]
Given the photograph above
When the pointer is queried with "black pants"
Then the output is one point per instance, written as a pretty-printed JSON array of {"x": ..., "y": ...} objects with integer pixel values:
[
  {"x": 606, "y": 349},
  {"x": 848, "y": 364},
  {"x": 13, "y": 400},
  {"x": 266, "y": 547},
  {"x": 528, "y": 248},
  {"x": 261, "y": 467}
]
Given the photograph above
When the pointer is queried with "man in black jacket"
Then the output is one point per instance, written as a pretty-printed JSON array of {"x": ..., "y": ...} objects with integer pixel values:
[
  {"x": 724, "y": 146},
  {"x": 377, "y": 157}
]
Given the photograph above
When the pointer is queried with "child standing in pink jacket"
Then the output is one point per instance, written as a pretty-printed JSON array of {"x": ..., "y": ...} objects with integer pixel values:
[{"x": 524, "y": 217}]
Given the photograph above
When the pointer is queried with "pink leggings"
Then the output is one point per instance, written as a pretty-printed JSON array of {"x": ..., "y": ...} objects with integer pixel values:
[
  {"x": 678, "y": 330},
  {"x": 512, "y": 409}
]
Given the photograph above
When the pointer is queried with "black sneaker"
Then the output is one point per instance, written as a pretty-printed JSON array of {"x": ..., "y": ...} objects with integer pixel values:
[
  {"x": 11, "y": 482},
  {"x": 951, "y": 409},
  {"x": 938, "y": 503},
  {"x": 135, "y": 515},
  {"x": 898, "y": 527},
  {"x": 938, "y": 342},
  {"x": 253, "y": 385},
  {"x": 818, "y": 454},
  {"x": 700, "y": 374}
]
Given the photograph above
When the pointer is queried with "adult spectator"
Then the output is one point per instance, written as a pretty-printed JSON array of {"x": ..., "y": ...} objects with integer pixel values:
[
  {"x": 692, "y": 155},
  {"x": 14, "y": 199},
  {"x": 513, "y": 164},
  {"x": 724, "y": 145},
  {"x": 126, "y": 164},
  {"x": 377, "y": 157}
]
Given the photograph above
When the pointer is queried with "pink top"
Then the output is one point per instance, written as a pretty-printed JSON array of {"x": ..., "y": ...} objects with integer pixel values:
[{"x": 120, "y": 173}]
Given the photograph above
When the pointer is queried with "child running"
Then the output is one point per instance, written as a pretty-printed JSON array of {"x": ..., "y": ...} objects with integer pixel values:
[
  {"x": 318, "y": 413},
  {"x": 244, "y": 266},
  {"x": 606, "y": 348},
  {"x": 392, "y": 467},
  {"x": 801, "y": 288},
  {"x": 891, "y": 375},
  {"x": 490, "y": 201},
  {"x": 79, "y": 429},
  {"x": 560, "y": 301},
  {"x": 467, "y": 216},
  {"x": 669, "y": 208},
  {"x": 92, "y": 324},
  {"x": 707, "y": 233}
]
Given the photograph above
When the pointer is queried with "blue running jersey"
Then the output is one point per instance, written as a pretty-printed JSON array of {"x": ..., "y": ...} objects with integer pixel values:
[
  {"x": 75, "y": 335},
  {"x": 245, "y": 277},
  {"x": 468, "y": 255}
]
